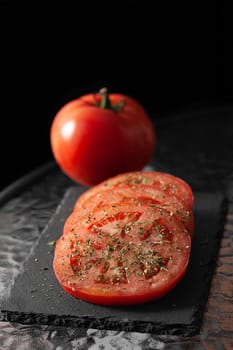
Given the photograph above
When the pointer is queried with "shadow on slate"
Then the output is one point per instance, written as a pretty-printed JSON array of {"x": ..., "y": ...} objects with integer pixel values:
[{"x": 36, "y": 297}]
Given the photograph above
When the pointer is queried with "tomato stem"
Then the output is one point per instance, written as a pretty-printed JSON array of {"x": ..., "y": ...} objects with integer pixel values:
[{"x": 105, "y": 102}]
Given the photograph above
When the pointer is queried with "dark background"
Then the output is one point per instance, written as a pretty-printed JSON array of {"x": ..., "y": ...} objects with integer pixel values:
[{"x": 170, "y": 56}]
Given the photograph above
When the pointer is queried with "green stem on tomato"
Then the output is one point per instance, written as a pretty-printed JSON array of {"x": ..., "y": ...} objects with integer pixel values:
[{"x": 105, "y": 102}]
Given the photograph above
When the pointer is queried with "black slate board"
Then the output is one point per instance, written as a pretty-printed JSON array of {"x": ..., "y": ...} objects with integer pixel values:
[{"x": 36, "y": 296}]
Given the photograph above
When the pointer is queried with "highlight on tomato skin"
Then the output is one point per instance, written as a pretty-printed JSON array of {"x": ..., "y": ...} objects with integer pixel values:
[
  {"x": 120, "y": 251},
  {"x": 97, "y": 136}
]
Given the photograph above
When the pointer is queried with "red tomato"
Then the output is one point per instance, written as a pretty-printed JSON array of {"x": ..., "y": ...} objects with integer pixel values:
[
  {"x": 125, "y": 255},
  {"x": 97, "y": 136}
]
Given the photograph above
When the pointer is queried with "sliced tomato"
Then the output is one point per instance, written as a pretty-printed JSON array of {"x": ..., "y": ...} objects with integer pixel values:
[
  {"x": 151, "y": 195},
  {"x": 122, "y": 255},
  {"x": 169, "y": 184}
]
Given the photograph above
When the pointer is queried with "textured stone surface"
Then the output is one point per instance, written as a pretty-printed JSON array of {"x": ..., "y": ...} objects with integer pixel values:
[{"x": 197, "y": 146}]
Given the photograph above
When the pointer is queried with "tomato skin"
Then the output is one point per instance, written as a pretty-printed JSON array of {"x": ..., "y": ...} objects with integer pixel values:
[{"x": 91, "y": 144}]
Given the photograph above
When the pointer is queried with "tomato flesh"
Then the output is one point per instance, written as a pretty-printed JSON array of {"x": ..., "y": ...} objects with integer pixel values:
[
  {"x": 127, "y": 241},
  {"x": 123, "y": 258},
  {"x": 151, "y": 195},
  {"x": 168, "y": 183}
]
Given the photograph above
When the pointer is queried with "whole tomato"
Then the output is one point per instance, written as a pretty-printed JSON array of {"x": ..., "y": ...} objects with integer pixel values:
[{"x": 97, "y": 136}]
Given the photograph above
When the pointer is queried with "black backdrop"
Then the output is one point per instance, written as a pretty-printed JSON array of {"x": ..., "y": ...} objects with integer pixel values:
[{"x": 169, "y": 56}]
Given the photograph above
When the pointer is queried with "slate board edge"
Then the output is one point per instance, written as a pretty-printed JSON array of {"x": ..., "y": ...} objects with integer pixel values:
[{"x": 106, "y": 323}]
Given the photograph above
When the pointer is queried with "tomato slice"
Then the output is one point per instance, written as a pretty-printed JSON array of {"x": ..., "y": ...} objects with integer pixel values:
[
  {"x": 122, "y": 255},
  {"x": 150, "y": 195},
  {"x": 168, "y": 183}
]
